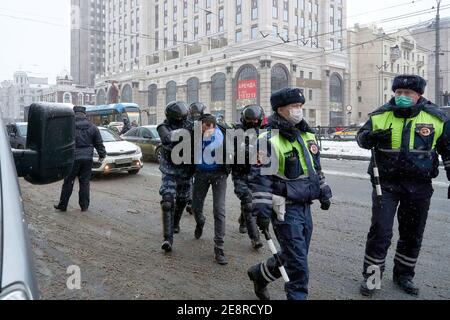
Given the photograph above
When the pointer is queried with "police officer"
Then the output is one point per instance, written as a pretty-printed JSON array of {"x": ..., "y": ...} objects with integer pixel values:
[
  {"x": 87, "y": 137},
  {"x": 126, "y": 126},
  {"x": 175, "y": 188},
  {"x": 284, "y": 197},
  {"x": 251, "y": 119},
  {"x": 407, "y": 134},
  {"x": 196, "y": 111}
]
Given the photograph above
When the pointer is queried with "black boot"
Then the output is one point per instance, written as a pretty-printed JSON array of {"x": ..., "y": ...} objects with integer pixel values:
[
  {"x": 60, "y": 208},
  {"x": 406, "y": 284},
  {"x": 242, "y": 224},
  {"x": 168, "y": 221},
  {"x": 179, "y": 208},
  {"x": 364, "y": 289},
  {"x": 257, "y": 243},
  {"x": 259, "y": 283}
]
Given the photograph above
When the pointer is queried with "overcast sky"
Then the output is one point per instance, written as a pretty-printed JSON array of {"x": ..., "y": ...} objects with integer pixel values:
[{"x": 35, "y": 34}]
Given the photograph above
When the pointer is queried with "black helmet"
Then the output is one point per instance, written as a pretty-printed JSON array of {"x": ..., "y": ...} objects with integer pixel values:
[
  {"x": 176, "y": 111},
  {"x": 196, "y": 110},
  {"x": 252, "y": 113}
]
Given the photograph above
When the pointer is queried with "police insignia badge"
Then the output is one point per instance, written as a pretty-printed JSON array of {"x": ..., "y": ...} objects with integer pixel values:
[
  {"x": 425, "y": 130},
  {"x": 313, "y": 147}
]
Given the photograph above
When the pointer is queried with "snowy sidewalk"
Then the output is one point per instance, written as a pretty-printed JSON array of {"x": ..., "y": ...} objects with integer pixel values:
[{"x": 344, "y": 150}]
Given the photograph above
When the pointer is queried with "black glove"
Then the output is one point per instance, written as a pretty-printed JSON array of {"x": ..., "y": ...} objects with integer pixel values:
[
  {"x": 325, "y": 205},
  {"x": 263, "y": 223},
  {"x": 380, "y": 136}
]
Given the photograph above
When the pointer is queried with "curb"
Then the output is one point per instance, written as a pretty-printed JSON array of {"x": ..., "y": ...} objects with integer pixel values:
[
  {"x": 356, "y": 158},
  {"x": 344, "y": 157}
]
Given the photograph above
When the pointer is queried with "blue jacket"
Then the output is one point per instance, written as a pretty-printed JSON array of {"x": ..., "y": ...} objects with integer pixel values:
[{"x": 209, "y": 147}]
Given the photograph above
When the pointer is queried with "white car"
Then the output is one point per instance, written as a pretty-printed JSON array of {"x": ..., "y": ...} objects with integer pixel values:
[{"x": 121, "y": 155}]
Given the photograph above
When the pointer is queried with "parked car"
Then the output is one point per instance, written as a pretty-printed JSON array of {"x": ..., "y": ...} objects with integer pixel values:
[
  {"x": 121, "y": 155},
  {"x": 345, "y": 134},
  {"x": 147, "y": 138},
  {"x": 49, "y": 160},
  {"x": 17, "y": 134}
]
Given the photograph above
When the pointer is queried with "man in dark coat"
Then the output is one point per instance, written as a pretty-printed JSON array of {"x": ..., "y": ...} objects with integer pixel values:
[{"x": 87, "y": 138}]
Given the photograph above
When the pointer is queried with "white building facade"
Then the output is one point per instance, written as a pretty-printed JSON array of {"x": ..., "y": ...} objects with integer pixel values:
[
  {"x": 19, "y": 93},
  {"x": 375, "y": 60},
  {"x": 227, "y": 54}
]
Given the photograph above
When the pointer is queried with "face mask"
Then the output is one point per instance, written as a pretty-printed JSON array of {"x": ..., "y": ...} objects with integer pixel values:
[
  {"x": 404, "y": 101},
  {"x": 295, "y": 116}
]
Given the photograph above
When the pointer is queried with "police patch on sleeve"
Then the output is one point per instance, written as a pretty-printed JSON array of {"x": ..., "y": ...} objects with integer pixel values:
[
  {"x": 425, "y": 130},
  {"x": 313, "y": 148}
]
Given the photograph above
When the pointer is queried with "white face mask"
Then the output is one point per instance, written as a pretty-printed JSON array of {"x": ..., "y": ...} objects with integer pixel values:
[{"x": 295, "y": 116}]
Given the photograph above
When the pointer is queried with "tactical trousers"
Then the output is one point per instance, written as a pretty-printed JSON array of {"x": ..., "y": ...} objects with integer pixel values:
[
  {"x": 83, "y": 170},
  {"x": 243, "y": 192},
  {"x": 411, "y": 201},
  {"x": 294, "y": 236}
]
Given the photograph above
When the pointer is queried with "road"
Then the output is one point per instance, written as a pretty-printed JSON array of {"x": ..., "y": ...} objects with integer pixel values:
[{"x": 117, "y": 244}]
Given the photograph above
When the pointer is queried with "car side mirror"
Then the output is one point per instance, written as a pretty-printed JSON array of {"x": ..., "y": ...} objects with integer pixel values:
[{"x": 50, "y": 144}]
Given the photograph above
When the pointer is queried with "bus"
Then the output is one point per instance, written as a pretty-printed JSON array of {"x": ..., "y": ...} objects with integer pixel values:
[{"x": 106, "y": 114}]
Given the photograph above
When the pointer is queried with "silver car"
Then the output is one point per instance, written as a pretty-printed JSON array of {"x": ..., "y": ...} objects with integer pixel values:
[{"x": 52, "y": 132}]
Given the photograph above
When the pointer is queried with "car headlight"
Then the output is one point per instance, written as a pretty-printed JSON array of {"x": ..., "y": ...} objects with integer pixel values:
[{"x": 138, "y": 150}]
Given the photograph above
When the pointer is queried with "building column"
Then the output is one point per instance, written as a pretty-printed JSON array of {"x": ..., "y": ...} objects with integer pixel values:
[
  {"x": 229, "y": 93},
  {"x": 265, "y": 78}
]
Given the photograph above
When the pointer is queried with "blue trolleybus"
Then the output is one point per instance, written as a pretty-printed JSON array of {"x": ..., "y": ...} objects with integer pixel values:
[{"x": 107, "y": 114}]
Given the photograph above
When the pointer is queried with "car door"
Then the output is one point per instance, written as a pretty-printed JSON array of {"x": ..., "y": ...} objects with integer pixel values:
[{"x": 145, "y": 142}]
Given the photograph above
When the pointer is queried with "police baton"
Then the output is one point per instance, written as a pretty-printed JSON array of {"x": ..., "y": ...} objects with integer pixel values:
[
  {"x": 376, "y": 174},
  {"x": 277, "y": 257}
]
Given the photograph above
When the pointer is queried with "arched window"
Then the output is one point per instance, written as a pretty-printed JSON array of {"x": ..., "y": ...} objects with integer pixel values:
[
  {"x": 171, "y": 91},
  {"x": 101, "y": 97},
  {"x": 80, "y": 99},
  {"x": 280, "y": 77},
  {"x": 336, "y": 89},
  {"x": 218, "y": 87},
  {"x": 152, "y": 95},
  {"x": 113, "y": 94},
  {"x": 127, "y": 94},
  {"x": 192, "y": 90},
  {"x": 247, "y": 88},
  {"x": 67, "y": 98}
]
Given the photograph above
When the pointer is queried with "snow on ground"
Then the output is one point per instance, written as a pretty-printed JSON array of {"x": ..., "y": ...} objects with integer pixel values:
[{"x": 343, "y": 148}]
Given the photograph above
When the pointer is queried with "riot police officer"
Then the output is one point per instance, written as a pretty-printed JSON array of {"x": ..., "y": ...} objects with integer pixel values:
[
  {"x": 407, "y": 134},
  {"x": 175, "y": 188},
  {"x": 196, "y": 111},
  {"x": 251, "y": 121},
  {"x": 284, "y": 196}
]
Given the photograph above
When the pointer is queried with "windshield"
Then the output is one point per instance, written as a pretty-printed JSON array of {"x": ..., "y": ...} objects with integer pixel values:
[
  {"x": 133, "y": 117},
  {"x": 108, "y": 136},
  {"x": 23, "y": 128}
]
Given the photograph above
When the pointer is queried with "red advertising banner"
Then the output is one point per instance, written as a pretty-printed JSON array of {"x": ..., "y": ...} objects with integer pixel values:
[{"x": 247, "y": 89}]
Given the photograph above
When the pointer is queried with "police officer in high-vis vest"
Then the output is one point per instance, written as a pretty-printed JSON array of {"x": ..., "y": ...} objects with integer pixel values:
[
  {"x": 284, "y": 197},
  {"x": 407, "y": 134}
]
